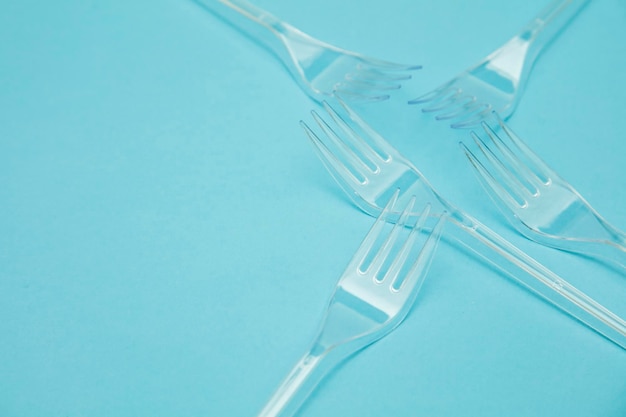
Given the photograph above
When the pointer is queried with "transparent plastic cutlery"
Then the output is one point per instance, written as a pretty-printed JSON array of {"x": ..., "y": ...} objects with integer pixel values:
[
  {"x": 369, "y": 169},
  {"x": 537, "y": 201},
  {"x": 319, "y": 69},
  {"x": 372, "y": 297},
  {"x": 497, "y": 83}
]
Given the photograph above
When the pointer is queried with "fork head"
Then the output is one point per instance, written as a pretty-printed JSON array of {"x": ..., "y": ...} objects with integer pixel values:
[
  {"x": 366, "y": 166},
  {"x": 387, "y": 271},
  {"x": 324, "y": 70},
  {"x": 382, "y": 280},
  {"x": 495, "y": 84},
  {"x": 526, "y": 189}
]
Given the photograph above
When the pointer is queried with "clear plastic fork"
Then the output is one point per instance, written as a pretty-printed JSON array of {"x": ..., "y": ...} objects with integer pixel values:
[
  {"x": 319, "y": 69},
  {"x": 372, "y": 297},
  {"x": 537, "y": 201},
  {"x": 498, "y": 81},
  {"x": 369, "y": 169}
]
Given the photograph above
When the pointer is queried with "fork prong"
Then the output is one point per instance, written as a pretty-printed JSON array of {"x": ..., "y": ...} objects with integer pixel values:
[
  {"x": 392, "y": 275},
  {"x": 461, "y": 108},
  {"x": 352, "y": 81},
  {"x": 445, "y": 101},
  {"x": 355, "y": 139},
  {"x": 375, "y": 74},
  {"x": 434, "y": 95},
  {"x": 538, "y": 163},
  {"x": 381, "y": 144},
  {"x": 352, "y": 94},
  {"x": 381, "y": 65},
  {"x": 510, "y": 178},
  {"x": 489, "y": 180},
  {"x": 381, "y": 256},
  {"x": 341, "y": 142},
  {"x": 522, "y": 169},
  {"x": 412, "y": 282},
  {"x": 372, "y": 236},
  {"x": 371, "y": 77},
  {"x": 330, "y": 160},
  {"x": 473, "y": 119}
]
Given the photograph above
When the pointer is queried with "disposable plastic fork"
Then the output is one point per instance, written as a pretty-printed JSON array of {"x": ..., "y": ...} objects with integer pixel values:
[
  {"x": 319, "y": 69},
  {"x": 372, "y": 297},
  {"x": 498, "y": 81},
  {"x": 369, "y": 169},
  {"x": 537, "y": 201}
]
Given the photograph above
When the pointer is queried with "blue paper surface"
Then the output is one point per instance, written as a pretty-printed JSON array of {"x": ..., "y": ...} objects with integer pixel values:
[{"x": 169, "y": 240}]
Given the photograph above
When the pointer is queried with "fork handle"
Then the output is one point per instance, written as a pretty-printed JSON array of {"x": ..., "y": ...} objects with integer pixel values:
[
  {"x": 234, "y": 10},
  {"x": 259, "y": 25},
  {"x": 549, "y": 23},
  {"x": 611, "y": 247},
  {"x": 611, "y": 250},
  {"x": 304, "y": 377},
  {"x": 538, "y": 278},
  {"x": 295, "y": 388}
]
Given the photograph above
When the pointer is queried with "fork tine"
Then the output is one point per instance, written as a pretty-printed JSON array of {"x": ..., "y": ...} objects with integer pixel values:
[
  {"x": 356, "y": 95},
  {"x": 442, "y": 103},
  {"x": 515, "y": 186},
  {"x": 371, "y": 79},
  {"x": 541, "y": 166},
  {"x": 380, "y": 143},
  {"x": 381, "y": 65},
  {"x": 356, "y": 139},
  {"x": 463, "y": 107},
  {"x": 363, "y": 84},
  {"x": 330, "y": 160},
  {"x": 376, "y": 74},
  {"x": 381, "y": 256},
  {"x": 435, "y": 94},
  {"x": 341, "y": 142},
  {"x": 522, "y": 168},
  {"x": 473, "y": 119},
  {"x": 489, "y": 180},
  {"x": 393, "y": 273},
  {"x": 413, "y": 281},
  {"x": 372, "y": 236}
]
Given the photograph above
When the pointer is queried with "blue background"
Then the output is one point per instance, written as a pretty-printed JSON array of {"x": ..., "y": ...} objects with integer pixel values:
[{"x": 168, "y": 239}]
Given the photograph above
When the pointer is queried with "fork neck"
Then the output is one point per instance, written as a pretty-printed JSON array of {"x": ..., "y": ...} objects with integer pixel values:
[
  {"x": 549, "y": 23},
  {"x": 609, "y": 247},
  {"x": 612, "y": 251}
]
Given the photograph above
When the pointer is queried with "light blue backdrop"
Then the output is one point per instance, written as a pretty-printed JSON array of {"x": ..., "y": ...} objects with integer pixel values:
[{"x": 168, "y": 239}]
